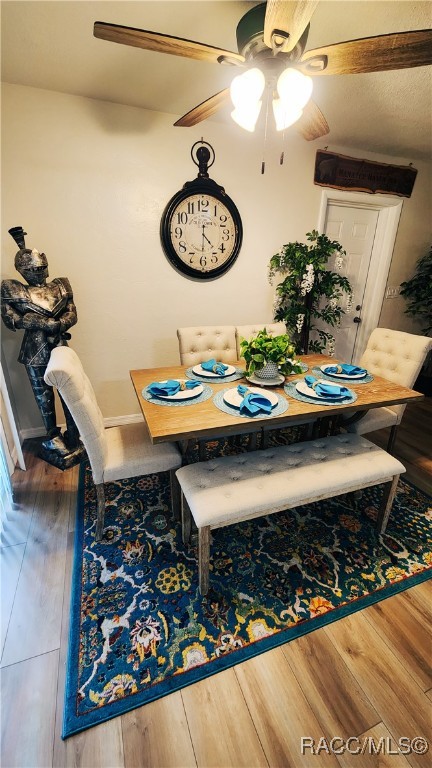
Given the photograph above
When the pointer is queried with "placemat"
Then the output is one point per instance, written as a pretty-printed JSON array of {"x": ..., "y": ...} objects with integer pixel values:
[
  {"x": 205, "y": 395},
  {"x": 364, "y": 380},
  {"x": 220, "y": 403},
  {"x": 290, "y": 389},
  {"x": 239, "y": 374}
]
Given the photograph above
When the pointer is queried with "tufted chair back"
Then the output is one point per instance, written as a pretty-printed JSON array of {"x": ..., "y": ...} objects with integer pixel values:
[
  {"x": 247, "y": 331},
  {"x": 198, "y": 344},
  {"x": 65, "y": 372},
  {"x": 396, "y": 356}
]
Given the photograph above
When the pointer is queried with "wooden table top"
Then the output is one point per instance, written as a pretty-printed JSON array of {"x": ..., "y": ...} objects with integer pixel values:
[{"x": 205, "y": 420}]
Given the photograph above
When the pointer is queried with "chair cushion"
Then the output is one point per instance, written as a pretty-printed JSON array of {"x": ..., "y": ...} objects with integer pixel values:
[
  {"x": 198, "y": 344},
  {"x": 130, "y": 453},
  {"x": 376, "y": 418}
]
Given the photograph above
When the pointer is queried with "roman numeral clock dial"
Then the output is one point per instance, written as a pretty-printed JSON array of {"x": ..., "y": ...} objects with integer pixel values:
[{"x": 201, "y": 229}]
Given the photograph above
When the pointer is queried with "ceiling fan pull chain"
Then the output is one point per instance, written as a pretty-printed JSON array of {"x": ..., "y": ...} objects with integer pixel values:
[
  {"x": 265, "y": 125},
  {"x": 281, "y": 161}
]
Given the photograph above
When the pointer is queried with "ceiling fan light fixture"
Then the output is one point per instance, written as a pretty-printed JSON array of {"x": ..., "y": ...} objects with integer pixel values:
[
  {"x": 285, "y": 114},
  {"x": 246, "y": 115},
  {"x": 248, "y": 87},
  {"x": 294, "y": 88},
  {"x": 246, "y": 91}
]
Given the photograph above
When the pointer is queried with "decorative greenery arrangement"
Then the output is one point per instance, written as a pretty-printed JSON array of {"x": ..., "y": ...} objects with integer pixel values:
[
  {"x": 310, "y": 295},
  {"x": 418, "y": 293},
  {"x": 263, "y": 348}
]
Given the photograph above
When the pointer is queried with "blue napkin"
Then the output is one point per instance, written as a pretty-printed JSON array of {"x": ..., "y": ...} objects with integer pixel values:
[
  {"x": 214, "y": 367},
  {"x": 327, "y": 391},
  {"x": 348, "y": 370},
  {"x": 253, "y": 402},
  {"x": 170, "y": 387}
]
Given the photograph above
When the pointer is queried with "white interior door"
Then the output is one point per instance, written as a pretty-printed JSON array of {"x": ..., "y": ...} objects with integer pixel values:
[
  {"x": 389, "y": 210},
  {"x": 355, "y": 229}
]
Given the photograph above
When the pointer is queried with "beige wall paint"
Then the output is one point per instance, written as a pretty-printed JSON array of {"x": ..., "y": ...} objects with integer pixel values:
[{"x": 88, "y": 180}]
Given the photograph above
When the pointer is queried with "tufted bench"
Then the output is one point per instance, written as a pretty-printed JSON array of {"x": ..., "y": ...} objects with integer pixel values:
[{"x": 230, "y": 489}]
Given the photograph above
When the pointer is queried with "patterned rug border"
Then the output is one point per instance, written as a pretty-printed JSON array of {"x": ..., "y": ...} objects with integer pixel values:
[{"x": 73, "y": 724}]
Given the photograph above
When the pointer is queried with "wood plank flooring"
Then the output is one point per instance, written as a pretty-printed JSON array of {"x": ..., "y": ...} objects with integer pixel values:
[{"x": 366, "y": 676}]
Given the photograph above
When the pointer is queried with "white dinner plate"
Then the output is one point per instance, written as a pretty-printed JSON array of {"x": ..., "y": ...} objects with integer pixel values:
[
  {"x": 323, "y": 368},
  {"x": 234, "y": 398},
  {"x": 303, "y": 388},
  {"x": 182, "y": 394},
  {"x": 200, "y": 371}
]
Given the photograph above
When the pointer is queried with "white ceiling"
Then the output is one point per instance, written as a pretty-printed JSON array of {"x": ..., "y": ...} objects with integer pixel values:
[{"x": 50, "y": 44}]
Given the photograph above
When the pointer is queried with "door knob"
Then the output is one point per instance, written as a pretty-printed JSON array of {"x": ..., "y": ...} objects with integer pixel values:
[
  {"x": 358, "y": 307},
  {"x": 357, "y": 320}
]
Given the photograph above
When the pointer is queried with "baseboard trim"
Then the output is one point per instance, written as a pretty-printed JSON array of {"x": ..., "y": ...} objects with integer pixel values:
[{"x": 110, "y": 421}]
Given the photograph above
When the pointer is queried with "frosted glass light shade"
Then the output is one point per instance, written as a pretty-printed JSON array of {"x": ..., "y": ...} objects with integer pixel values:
[
  {"x": 247, "y": 87},
  {"x": 246, "y": 115},
  {"x": 294, "y": 88},
  {"x": 285, "y": 114}
]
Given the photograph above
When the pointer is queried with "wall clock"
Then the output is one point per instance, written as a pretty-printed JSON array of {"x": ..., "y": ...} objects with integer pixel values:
[{"x": 201, "y": 229}]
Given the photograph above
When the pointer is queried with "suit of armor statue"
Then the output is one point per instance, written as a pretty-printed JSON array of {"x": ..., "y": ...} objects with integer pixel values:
[{"x": 45, "y": 311}]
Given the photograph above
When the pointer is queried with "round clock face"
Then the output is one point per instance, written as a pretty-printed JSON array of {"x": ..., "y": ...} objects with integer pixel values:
[{"x": 201, "y": 233}]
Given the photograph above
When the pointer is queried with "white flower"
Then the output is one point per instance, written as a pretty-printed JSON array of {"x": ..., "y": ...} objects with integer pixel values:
[
  {"x": 276, "y": 303},
  {"x": 349, "y": 303},
  {"x": 331, "y": 346},
  {"x": 338, "y": 262},
  {"x": 333, "y": 302},
  {"x": 299, "y": 323},
  {"x": 308, "y": 280}
]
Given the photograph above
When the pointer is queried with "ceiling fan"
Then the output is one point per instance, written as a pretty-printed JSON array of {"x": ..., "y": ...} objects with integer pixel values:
[{"x": 271, "y": 40}]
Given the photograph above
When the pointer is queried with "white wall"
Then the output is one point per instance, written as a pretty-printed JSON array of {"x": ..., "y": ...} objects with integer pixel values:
[{"x": 88, "y": 181}]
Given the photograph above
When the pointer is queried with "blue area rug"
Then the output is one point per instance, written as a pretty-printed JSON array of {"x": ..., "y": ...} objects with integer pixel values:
[{"x": 139, "y": 628}]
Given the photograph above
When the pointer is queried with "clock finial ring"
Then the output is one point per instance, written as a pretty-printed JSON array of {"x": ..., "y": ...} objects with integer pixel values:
[{"x": 202, "y": 157}]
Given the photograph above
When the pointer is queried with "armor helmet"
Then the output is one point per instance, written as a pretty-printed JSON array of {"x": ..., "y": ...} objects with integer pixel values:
[{"x": 32, "y": 265}]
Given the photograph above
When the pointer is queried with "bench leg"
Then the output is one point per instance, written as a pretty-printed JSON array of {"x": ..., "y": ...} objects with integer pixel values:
[
  {"x": 204, "y": 558},
  {"x": 175, "y": 495},
  {"x": 386, "y": 504},
  {"x": 186, "y": 517}
]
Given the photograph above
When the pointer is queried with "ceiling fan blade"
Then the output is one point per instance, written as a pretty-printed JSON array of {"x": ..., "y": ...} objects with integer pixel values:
[
  {"x": 290, "y": 17},
  {"x": 205, "y": 109},
  {"x": 152, "y": 41},
  {"x": 398, "y": 50},
  {"x": 312, "y": 124}
]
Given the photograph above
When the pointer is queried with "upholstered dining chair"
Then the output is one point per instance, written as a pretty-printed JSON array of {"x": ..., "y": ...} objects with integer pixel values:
[
  {"x": 115, "y": 453},
  {"x": 398, "y": 357},
  {"x": 199, "y": 343},
  {"x": 247, "y": 331}
]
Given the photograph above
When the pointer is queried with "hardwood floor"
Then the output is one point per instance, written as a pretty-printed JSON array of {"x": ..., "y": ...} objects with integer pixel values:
[{"x": 367, "y": 675}]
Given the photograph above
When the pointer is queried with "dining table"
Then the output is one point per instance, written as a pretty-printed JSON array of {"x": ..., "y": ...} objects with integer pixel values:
[{"x": 203, "y": 420}]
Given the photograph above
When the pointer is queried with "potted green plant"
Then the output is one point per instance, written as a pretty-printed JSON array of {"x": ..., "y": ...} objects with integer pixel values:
[
  {"x": 266, "y": 355},
  {"x": 310, "y": 295},
  {"x": 418, "y": 294}
]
